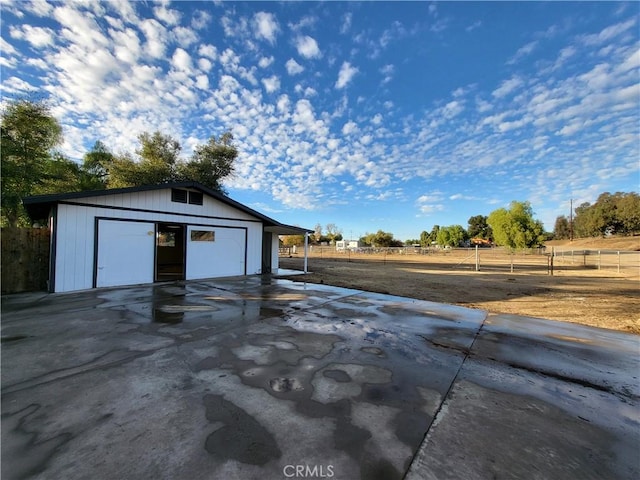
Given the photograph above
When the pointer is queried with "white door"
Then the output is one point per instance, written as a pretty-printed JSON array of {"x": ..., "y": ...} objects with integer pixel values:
[
  {"x": 125, "y": 253},
  {"x": 215, "y": 252}
]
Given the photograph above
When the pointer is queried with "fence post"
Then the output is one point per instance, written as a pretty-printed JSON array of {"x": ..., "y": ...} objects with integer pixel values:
[
  {"x": 599, "y": 259},
  {"x": 477, "y": 260},
  {"x": 551, "y": 261},
  {"x": 618, "y": 262},
  {"x": 511, "y": 261}
]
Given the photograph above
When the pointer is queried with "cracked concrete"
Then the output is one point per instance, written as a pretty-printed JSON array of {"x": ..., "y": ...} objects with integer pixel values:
[{"x": 242, "y": 377}]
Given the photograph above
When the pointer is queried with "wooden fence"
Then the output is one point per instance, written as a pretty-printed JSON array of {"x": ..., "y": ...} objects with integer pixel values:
[{"x": 25, "y": 259}]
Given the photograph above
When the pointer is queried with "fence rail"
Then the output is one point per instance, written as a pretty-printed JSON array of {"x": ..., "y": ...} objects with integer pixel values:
[{"x": 541, "y": 260}]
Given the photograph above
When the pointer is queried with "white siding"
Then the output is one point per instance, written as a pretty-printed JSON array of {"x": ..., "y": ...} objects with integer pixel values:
[
  {"x": 160, "y": 200},
  {"x": 74, "y": 255}
]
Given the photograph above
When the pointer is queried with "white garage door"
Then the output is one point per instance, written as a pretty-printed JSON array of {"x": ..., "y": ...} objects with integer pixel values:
[
  {"x": 215, "y": 252},
  {"x": 125, "y": 253}
]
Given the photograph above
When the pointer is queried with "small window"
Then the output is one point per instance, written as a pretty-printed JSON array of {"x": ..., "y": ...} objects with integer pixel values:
[
  {"x": 179, "y": 196},
  {"x": 195, "y": 198},
  {"x": 203, "y": 236}
]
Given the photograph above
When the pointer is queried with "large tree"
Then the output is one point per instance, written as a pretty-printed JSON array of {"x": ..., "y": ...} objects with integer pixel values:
[
  {"x": 561, "y": 229},
  {"x": 29, "y": 134},
  {"x": 159, "y": 162},
  {"x": 479, "y": 228},
  {"x": 617, "y": 213},
  {"x": 210, "y": 163},
  {"x": 515, "y": 227},
  {"x": 452, "y": 236}
]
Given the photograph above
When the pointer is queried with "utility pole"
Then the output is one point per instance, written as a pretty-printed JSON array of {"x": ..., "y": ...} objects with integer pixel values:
[{"x": 571, "y": 222}]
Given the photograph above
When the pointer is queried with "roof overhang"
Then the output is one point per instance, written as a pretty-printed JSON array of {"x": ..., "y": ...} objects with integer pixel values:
[{"x": 282, "y": 229}]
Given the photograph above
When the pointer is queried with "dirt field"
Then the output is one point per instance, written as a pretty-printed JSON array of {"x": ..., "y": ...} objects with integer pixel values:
[{"x": 601, "y": 298}]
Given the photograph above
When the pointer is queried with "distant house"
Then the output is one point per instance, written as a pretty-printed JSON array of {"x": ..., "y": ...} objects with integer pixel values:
[
  {"x": 347, "y": 244},
  {"x": 137, "y": 235}
]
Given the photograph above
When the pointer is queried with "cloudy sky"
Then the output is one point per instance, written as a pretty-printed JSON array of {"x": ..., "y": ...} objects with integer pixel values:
[{"x": 369, "y": 115}]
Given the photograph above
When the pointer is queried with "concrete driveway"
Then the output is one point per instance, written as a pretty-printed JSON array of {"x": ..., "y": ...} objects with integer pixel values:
[{"x": 258, "y": 378}]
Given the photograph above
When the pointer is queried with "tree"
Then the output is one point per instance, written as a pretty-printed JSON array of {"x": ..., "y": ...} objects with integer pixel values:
[
  {"x": 425, "y": 239},
  {"x": 379, "y": 239},
  {"x": 452, "y": 236},
  {"x": 562, "y": 229},
  {"x": 317, "y": 233},
  {"x": 333, "y": 233},
  {"x": 515, "y": 227},
  {"x": 160, "y": 162},
  {"x": 62, "y": 175},
  {"x": 210, "y": 163},
  {"x": 617, "y": 213},
  {"x": 28, "y": 135},
  {"x": 98, "y": 162},
  {"x": 293, "y": 240},
  {"x": 478, "y": 227},
  {"x": 433, "y": 236}
]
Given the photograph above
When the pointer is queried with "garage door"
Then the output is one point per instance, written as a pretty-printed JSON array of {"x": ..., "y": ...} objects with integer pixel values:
[
  {"x": 215, "y": 252},
  {"x": 125, "y": 253}
]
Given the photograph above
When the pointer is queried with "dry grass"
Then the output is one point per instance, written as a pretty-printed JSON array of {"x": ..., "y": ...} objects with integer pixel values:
[{"x": 600, "y": 298}]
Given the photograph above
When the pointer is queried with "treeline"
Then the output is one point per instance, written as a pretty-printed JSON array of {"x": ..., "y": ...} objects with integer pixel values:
[
  {"x": 32, "y": 165},
  {"x": 617, "y": 214}
]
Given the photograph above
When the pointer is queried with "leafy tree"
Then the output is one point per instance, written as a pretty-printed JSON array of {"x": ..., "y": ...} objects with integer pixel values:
[
  {"x": 562, "y": 229},
  {"x": 28, "y": 135},
  {"x": 293, "y": 240},
  {"x": 617, "y": 213},
  {"x": 379, "y": 239},
  {"x": 334, "y": 234},
  {"x": 425, "y": 239},
  {"x": 515, "y": 227},
  {"x": 62, "y": 175},
  {"x": 452, "y": 236},
  {"x": 98, "y": 162},
  {"x": 433, "y": 235},
  {"x": 160, "y": 162},
  {"x": 479, "y": 228},
  {"x": 211, "y": 163}
]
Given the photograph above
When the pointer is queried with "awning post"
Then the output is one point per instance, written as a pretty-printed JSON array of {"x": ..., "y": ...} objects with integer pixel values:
[{"x": 306, "y": 248}]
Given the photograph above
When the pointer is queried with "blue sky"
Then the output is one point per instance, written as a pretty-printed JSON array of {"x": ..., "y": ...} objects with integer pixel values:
[{"x": 369, "y": 115}]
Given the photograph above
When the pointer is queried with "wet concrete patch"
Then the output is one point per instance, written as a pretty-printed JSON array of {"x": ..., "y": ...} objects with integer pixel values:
[{"x": 240, "y": 437}]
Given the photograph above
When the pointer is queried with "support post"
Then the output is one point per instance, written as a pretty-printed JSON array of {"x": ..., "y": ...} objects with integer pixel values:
[
  {"x": 599, "y": 260},
  {"x": 306, "y": 249},
  {"x": 477, "y": 260},
  {"x": 618, "y": 262}
]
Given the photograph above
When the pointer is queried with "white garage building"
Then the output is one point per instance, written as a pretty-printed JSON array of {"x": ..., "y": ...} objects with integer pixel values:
[{"x": 172, "y": 231}]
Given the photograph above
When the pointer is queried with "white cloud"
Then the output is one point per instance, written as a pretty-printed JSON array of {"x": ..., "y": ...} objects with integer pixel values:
[
  {"x": 200, "y": 19},
  {"x": 266, "y": 26},
  {"x": 209, "y": 51},
  {"x": 523, "y": 52},
  {"x": 377, "y": 119},
  {"x": 265, "y": 62},
  {"x": 185, "y": 36},
  {"x": 156, "y": 36},
  {"x": 349, "y": 128},
  {"x": 271, "y": 84},
  {"x": 181, "y": 60},
  {"x": 293, "y": 67},
  {"x": 388, "y": 71},
  {"x": 347, "y": 18},
  {"x": 609, "y": 33},
  {"x": 307, "y": 47},
  {"x": 507, "y": 87},
  {"x": 202, "y": 82},
  {"x": 37, "y": 36},
  {"x": 345, "y": 75},
  {"x": 167, "y": 15},
  {"x": 204, "y": 64}
]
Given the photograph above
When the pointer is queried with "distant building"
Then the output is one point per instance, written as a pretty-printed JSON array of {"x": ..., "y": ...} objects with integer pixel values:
[{"x": 347, "y": 244}]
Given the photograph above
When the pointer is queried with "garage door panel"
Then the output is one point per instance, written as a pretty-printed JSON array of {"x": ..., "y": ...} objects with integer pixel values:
[
  {"x": 219, "y": 255},
  {"x": 125, "y": 253}
]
